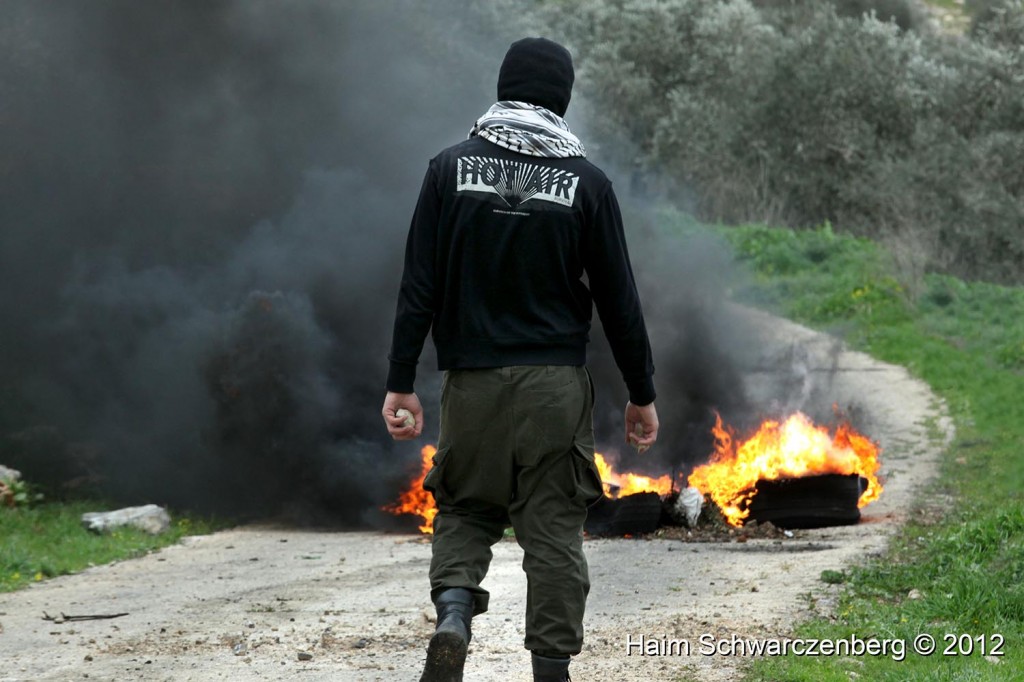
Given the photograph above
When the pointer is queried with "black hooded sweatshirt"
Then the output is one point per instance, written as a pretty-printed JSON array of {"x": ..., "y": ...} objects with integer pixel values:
[{"x": 497, "y": 252}]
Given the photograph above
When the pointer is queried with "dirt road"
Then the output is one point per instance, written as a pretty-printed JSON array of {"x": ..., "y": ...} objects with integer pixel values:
[{"x": 244, "y": 604}]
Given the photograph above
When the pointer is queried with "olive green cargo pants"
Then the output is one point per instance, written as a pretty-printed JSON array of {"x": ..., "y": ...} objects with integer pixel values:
[{"x": 517, "y": 447}]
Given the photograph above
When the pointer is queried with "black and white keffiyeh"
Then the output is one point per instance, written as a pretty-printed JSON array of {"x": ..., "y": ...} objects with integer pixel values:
[{"x": 528, "y": 129}]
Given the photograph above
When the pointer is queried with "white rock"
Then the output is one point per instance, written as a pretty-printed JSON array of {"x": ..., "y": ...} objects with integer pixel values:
[
  {"x": 149, "y": 518},
  {"x": 407, "y": 416}
]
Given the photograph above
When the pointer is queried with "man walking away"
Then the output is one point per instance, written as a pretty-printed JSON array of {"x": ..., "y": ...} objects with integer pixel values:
[{"x": 507, "y": 224}]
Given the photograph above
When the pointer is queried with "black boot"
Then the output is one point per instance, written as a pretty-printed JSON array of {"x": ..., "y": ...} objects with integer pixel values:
[
  {"x": 446, "y": 653},
  {"x": 548, "y": 669}
]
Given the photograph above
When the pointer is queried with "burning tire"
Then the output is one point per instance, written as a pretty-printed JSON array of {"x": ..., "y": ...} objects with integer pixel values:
[{"x": 808, "y": 501}]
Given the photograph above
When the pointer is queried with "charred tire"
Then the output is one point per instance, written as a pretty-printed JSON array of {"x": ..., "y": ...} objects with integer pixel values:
[{"x": 809, "y": 501}]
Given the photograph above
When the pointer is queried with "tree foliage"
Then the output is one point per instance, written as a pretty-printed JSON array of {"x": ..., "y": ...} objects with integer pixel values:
[{"x": 799, "y": 113}]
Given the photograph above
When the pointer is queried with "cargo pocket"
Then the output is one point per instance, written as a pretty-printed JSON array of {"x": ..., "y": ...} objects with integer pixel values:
[
  {"x": 589, "y": 488},
  {"x": 433, "y": 482}
]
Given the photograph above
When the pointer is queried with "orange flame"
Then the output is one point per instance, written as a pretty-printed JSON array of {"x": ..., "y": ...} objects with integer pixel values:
[
  {"x": 791, "y": 449},
  {"x": 628, "y": 483},
  {"x": 416, "y": 500}
]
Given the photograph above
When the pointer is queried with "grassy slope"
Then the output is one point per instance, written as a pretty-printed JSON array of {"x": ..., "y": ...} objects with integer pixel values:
[
  {"x": 49, "y": 540},
  {"x": 966, "y": 557}
]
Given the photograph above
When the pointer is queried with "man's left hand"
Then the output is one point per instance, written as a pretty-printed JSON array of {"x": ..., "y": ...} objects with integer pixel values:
[{"x": 394, "y": 402}]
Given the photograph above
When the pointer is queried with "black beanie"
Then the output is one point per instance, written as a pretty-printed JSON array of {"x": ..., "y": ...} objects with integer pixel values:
[{"x": 538, "y": 71}]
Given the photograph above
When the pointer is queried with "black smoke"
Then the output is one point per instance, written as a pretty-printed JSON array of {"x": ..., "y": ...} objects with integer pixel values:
[
  {"x": 203, "y": 214},
  {"x": 203, "y": 209}
]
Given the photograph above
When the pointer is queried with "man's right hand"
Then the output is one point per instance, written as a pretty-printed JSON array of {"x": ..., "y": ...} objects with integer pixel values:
[
  {"x": 647, "y": 419},
  {"x": 394, "y": 402}
]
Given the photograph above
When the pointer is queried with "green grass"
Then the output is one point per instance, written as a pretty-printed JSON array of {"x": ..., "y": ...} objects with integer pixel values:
[
  {"x": 966, "y": 558},
  {"x": 48, "y": 540}
]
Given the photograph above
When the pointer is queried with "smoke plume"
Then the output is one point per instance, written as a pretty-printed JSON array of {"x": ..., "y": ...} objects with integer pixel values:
[{"x": 204, "y": 208}]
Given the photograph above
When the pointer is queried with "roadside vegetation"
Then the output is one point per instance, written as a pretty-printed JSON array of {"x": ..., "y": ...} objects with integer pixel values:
[
  {"x": 45, "y": 539},
  {"x": 957, "y": 568}
]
